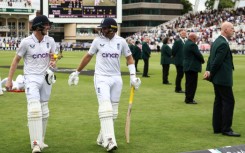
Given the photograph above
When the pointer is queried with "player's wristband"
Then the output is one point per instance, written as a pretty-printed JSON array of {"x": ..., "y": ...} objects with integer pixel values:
[
  {"x": 131, "y": 69},
  {"x": 77, "y": 72}
]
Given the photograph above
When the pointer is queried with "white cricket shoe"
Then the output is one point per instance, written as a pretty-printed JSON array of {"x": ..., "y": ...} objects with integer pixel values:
[
  {"x": 45, "y": 145},
  {"x": 100, "y": 139},
  {"x": 1, "y": 92},
  {"x": 36, "y": 149},
  {"x": 111, "y": 146}
]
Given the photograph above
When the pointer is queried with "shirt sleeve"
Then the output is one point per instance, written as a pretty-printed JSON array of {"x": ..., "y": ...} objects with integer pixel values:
[
  {"x": 93, "y": 49},
  {"x": 21, "y": 51},
  {"x": 53, "y": 46},
  {"x": 125, "y": 49}
]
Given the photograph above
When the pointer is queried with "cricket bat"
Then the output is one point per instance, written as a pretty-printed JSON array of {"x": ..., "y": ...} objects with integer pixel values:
[{"x": 127, "y": 125}]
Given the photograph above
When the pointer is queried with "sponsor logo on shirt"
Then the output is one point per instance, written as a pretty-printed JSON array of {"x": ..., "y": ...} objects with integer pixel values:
[
  {"x": 44, "y": 55},
  {"x": 110, "y": 55},
  {"x": 102, "y": 45},
  {"x": 32, "y": 46}
]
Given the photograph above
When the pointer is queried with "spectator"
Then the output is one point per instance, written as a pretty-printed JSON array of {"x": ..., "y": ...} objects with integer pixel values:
[
  {"x": 137, "y": 55},
  {"x": 192, "y": 64},
  {"x": 146, "y": 53},
  {"x": 177, "y": 52},
  {"x": 166, "y": 60},
  {"x": 219, "y": 71}
]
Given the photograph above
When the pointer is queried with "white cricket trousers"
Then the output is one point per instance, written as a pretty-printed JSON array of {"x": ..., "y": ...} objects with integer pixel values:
[
  {"x": 37, "y": 88},
  {"x": 108, "y": 87}
]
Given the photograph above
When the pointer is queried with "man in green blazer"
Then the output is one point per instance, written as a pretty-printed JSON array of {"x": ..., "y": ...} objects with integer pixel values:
[
  {"x": 219, "y": 71},
  {"x": 192, "y": 64},
  {"x": 146, "y": 53},
  {"x": 136, "y": 54},
  {"x": 177, "y": 52},
  {"x": 166, "y": 54}
]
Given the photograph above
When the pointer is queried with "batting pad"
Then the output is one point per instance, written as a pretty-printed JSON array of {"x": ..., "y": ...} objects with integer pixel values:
[
  {"x": 115, "y": 110},
  {"x": 35, "y": 122},
  {"x": 106, "y": 122},
  {"x": 45, "y": 115}
]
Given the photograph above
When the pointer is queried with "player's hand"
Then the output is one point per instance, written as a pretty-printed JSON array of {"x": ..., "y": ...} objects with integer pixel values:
[
  {"x": 73, "y": 78},
  {"x": 135, "y": 82},
  {"x": 9, "y": 85},
  {"x": 53, "y": 59},
  {"x": 52, "y": 64},
  {"x": 53, "y": 56}
]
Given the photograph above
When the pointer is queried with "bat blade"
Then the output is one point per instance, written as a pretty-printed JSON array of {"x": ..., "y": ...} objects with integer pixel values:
[{"x": 128, "y": 118}]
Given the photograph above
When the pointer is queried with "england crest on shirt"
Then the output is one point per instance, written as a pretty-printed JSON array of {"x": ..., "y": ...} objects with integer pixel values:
[{"x": 118, "y": 46}]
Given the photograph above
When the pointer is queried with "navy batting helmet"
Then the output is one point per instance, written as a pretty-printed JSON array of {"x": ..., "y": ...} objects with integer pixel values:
[
  {"x": 39, "y": 22},
  {"x": 109, "y": 23}
]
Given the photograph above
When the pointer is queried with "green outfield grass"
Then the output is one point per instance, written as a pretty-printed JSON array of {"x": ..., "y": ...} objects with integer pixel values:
[{"x": 161, "y": 122}]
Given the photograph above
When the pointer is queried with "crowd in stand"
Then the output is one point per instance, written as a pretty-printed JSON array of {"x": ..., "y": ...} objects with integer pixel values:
[
  {"x": 9, "y": 44},
  {"x": 15, "y": 3},
  {"x": 206, "y": 24}
]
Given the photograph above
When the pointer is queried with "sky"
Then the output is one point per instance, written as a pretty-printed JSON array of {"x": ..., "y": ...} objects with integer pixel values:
[{"x": 201, "y": 5}]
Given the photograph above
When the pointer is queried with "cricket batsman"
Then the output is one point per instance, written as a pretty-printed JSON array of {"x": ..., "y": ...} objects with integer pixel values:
[
  {"x": 37, "y": 51},
  {"x": 108, "y": 48}
]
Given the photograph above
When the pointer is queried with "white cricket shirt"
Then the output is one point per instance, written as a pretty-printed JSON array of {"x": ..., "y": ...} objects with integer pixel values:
[
  {"x": 108, "y": 53},
  {"x": 36, "y": 55}
]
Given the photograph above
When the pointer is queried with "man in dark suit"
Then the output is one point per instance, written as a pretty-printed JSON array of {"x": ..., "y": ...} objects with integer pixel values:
[
  {"x": 166, "y": 54},
  {"x": 219, "y": 71},
  {"x": 136, "y": 54},
  {"x": 146, "y": 52},
  {"x": 177, "y": 52},
  {"x": 192, "y": 64}
]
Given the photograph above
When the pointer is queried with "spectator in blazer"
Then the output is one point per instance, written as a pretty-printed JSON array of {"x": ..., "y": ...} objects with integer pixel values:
[
  {"x": 166, "y": 54},
  {"x": 177, "y": 52},
  {"x": 219, "y": 71},
  {"x": 192, "y": 64}
]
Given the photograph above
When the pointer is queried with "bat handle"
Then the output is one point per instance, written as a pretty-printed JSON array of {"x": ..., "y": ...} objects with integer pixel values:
[{"x": 131, "y": 98}]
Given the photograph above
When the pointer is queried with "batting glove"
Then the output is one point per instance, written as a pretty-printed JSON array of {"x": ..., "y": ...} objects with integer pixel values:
[
  {"x": 73, "y": 78},
  {"x": 135, "y": 82},
  {"x": 50, "y": 77}
]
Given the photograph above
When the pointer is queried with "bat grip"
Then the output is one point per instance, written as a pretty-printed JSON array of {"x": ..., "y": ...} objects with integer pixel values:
[{"x": 131, "y": 95}]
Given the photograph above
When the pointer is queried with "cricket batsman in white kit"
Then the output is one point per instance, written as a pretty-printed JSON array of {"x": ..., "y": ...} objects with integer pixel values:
[
  {"x": 37, "y": 51},
  {"x": 108, "y": 48}
]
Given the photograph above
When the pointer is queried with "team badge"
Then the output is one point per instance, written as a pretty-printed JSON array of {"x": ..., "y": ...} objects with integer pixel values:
[
  {"x": 32, "y": 46},
  {"x": 47, "y": 45},
  {"x": 118, "y": 46},
  {"x": 102, "y": 45}
]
